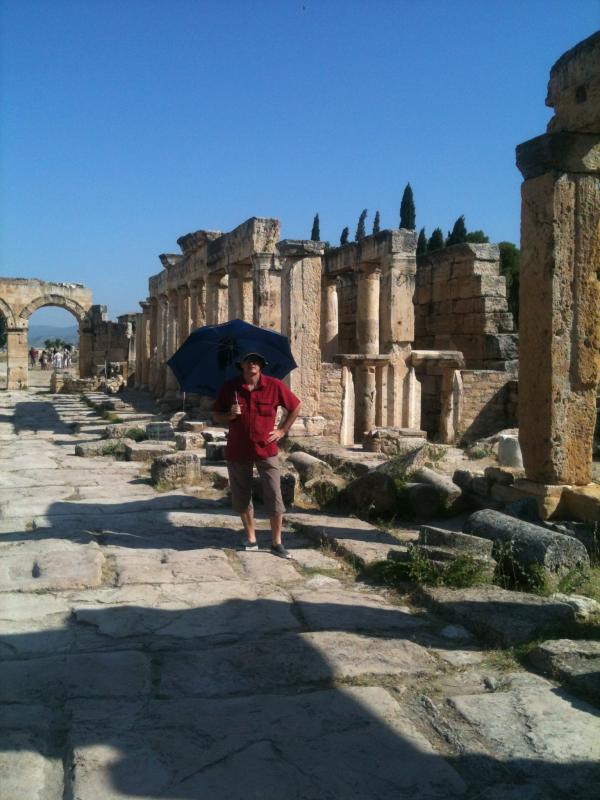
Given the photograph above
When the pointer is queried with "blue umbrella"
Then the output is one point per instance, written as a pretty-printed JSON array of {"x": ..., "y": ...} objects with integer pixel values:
[{"x": 209, "y": 355}]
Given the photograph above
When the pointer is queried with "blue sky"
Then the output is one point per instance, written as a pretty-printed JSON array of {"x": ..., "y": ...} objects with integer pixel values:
[{"x": 127, "y": 123}]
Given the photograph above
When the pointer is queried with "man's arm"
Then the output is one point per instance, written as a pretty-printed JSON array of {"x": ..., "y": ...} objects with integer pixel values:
[
  {"x": 284, "y": 428},
  {"x": 222, "y": 417}
]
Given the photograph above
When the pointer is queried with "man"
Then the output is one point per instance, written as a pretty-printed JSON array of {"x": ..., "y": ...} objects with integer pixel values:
[{"x": 249, "y": 405}]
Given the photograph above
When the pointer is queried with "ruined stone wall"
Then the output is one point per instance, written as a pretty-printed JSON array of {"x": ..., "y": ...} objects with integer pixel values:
[
  {"x": 111, "y": 341},
  {"x": 489, "y": 404},
  {"x": 331, "y": 398},
  {"x": 460, "y": 304}
]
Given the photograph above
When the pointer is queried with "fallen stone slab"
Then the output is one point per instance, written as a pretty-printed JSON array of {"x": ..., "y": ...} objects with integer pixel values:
[
  {"x": 49, "y": 565},
  {"x": 461, "y": 542},
  {"x": 355, "y": 538},
  {"x": 102, "y": 447},
  {"x": 420, "y": 501},
  {"x": 160, "y": 431},
  {"x": 122, "y": 430},
  {"x": 146, "y": 451},
  {"x": 574, "y": 662},
  {"x": 586, "y": 608},
  {"x": 541, "y": 734},
  {"x": 498, "y": 615},
  {"x": 294, "y": 661},
  {"x": 448, "y": 492},
  {"x": 530, "y": 544},
  {"x": 353, "y": 742},
  {"x": 122, "y": 674},
  {"x": 193, "y": 426},
  {"x": 215, "y": 451}
]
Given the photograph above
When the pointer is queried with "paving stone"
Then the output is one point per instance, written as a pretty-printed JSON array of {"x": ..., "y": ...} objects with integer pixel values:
[
  {"x": 296, "y": 660},
  {"x": 146, "y": 451},
  {"x": 263, "y": 567},
  {"x": 170, "y": 566},
  {"x": 25, "y": 772},
  {"x": 544, "y": 736},
  {"x": 36, "y": 566},
  {"x": 346, "y": 610},
  {"x": 315, "y": 559},
  {"x": 352, "y": 743},
  {"x": 120, "y": 674},
  {"x": 228, "y": 610}
]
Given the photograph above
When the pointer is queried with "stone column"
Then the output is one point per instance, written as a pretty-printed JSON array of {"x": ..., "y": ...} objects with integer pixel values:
[
  {"x": 145, "y": 345},
  {"x": 267, "y": 291},
  {"x": 86, "y": 348},
  {"x": 198, "y": 303},
  {"x": 396, "y": 306},
  {"x": 367, "y": 310},
  {"x": 366, "y": 391},
  {"x": 300, "y": 322},
  {"x": 138, "y": 350},
  {"x": 17, "y": 357},
  {"x": 559, "y": 342},
  {"x": 217, "y": 299},
  {"x": 240, "y": 298},
  {"x": 185, "y": 314},
  {"x": 153, "y": 360},
  {"x": 172, "y": 342},
  {"x": 348, "y": 407},
  {"x": 329, "y": 344},
  {"x": 161, "y": 344}
]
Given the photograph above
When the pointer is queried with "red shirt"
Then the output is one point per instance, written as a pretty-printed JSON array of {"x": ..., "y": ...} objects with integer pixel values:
[{"x": 248, "y": 434}]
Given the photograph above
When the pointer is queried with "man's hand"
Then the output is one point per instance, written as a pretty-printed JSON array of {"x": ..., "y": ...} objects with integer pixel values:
[{"x": 275, "y": 435}]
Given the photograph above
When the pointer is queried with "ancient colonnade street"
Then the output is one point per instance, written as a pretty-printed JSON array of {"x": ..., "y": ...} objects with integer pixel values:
[{"x": 145, "y": 656}]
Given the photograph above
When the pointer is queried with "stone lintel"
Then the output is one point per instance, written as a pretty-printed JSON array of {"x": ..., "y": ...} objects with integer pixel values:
[
  {"x": 300, "y": 248},
  {"x": 364, "y": 359},
  {"x": 559, "y": 152},
  {"x": 467, "y": 251},
  {"x": 375, "y": 248},
  {"x": 449, "y": 358}
]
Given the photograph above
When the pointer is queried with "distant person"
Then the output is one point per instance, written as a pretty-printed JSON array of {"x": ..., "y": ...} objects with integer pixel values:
[
  {"x": 44, "y": 361},
  {"x": 57, "y": 360},
  {"x": 32, "y": 357},
  {"x": 249, "y": 405}
]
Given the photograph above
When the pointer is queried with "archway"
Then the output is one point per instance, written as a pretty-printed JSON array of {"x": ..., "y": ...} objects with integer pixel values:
[
  {"x": 53, "y": 344},
  {"x": 54, "y": 354}
]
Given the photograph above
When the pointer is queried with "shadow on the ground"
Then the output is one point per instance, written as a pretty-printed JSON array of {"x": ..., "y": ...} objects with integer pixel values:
[{"x": 262, "y": 716}]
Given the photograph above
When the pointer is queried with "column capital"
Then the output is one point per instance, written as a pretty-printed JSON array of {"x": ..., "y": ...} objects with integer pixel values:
[
  {"x": 263, "y": 261},
  {"x": 183, "y": 291},
  {"x": 146, "y": 305},
  {"x": 559, "y": 152}
]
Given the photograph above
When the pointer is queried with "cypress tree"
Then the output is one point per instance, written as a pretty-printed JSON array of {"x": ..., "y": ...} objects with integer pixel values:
[
  {"x": 315, "y": 234},
  {"x": 344, "y": 236},
  {"x": 361, "y": 231},
  {"x": 408, "y": 217},
  {"x": 376, "y": 223},
  {"x": 421, "y": 242},
  {"x": 459, "y": 232},
  {"x": 436, "y": 240}
]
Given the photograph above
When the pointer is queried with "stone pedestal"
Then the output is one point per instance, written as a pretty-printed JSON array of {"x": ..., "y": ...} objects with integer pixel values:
[{"x": 559, "y": 288}]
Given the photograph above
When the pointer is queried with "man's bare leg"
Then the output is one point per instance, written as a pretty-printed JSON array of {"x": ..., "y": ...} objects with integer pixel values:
[
  {"x": 276, "y": 525},
  {"x": 247, "y": 518}
]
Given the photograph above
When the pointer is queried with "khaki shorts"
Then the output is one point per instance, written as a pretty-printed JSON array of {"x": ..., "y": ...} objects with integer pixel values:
[{"x": 240, "y": 483}]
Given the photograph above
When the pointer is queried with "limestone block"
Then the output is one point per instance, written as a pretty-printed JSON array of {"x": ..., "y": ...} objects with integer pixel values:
[
  {"x": 189, "y": 441},
  {"x": 373, "y": 493},
  {"x": 577, "y": 663},
  {"x": 193, "y": 426},
  {"x": 102, "y": 447},
  {"x": 146, "y": 451},
  {"x": 509, "y": 452},
  {"x": 460, "y": 542},
  {"x": 580, "y": 503},
  {"x": 177, "y": 469},
  {"x": 215, "y": 451},
  {"x": 160, "y": 431}
]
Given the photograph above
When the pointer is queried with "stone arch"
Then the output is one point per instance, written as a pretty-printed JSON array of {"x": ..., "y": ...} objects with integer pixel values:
[
  {"x": 67, "y": 303},
  {"x": 8, "y": 313}
]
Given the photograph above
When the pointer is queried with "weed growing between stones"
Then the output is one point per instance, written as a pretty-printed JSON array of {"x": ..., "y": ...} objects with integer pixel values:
[
  {"x": 478, "y": 451},
  {"x": 136, "y": 434},
  {"x": 110, "y": 416},
  {"x": 461, "y": 573},
  {"x": 510, "y": 574},
  {"x": 584, "y": 582}
]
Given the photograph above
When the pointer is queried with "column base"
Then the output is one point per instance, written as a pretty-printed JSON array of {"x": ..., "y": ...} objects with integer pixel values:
[
  {"x": 307, "y": 426},
  {"x": 555, "y": 501}
]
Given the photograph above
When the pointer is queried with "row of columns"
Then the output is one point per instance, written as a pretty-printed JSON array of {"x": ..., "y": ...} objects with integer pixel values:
[
  {"x": 379, "y": 387},
  {"x": 251, "y": 292}
]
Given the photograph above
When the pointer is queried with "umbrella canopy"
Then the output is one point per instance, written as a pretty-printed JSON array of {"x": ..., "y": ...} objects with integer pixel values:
[{"x": 209, "y": 355}]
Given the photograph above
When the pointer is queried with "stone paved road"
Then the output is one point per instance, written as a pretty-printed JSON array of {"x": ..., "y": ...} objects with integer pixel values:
[{"x": 144, "y": 657}]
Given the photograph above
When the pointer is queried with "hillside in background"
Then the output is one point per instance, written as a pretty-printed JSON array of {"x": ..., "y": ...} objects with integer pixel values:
[{"x": 37, "y": 334}]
